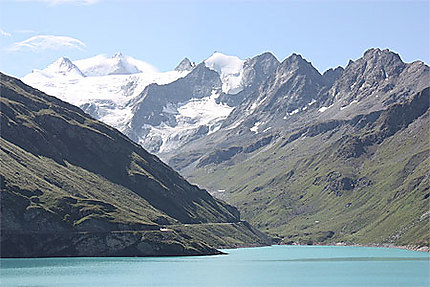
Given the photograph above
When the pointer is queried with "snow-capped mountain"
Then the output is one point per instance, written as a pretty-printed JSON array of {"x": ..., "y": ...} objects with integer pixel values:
[
  {"x": 230, "y": 69},
  {"x": 62, "y": 67},
  {"x": 100, "y": 85},
  {"x": 118, "y": 64},
  {"x": 225, "y": 99},
  {"x": 160, "y": 110},
  {"x": 296, "y": 101},
  {"x": 185, "y": 65},
  {"x": 166, "y": 117}
]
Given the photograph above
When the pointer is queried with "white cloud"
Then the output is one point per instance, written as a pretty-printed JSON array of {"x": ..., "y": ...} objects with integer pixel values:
[
  {"x": 58, "y": 2},
  {"x": 6, "y": 34},
  {"x": 24, "y": 31},
  {"x": 45, "y": 42}
]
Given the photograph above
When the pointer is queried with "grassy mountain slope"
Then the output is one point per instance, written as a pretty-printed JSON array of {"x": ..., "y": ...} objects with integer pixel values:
[
  {"x": 71, "y": 185},
  {"x": 363, "y": 180}
]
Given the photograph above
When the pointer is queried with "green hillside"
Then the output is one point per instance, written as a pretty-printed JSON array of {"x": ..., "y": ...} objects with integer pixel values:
[
  {"x": 363, "y": 180},
  {"x": 72, "y": 186}
]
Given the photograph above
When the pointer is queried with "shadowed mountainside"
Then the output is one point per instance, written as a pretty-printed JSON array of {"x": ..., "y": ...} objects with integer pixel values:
[{"x": 73, "y": 186}]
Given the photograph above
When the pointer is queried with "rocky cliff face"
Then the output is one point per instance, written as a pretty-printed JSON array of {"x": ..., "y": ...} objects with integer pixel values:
[
  {"x": 185, "y": 65},
  {"x": 167, "y": 117},
  {"x": 296, "y": 95},
  {"x": 72, "y": 186},
  {"x": 311, "y": 157},
  {"x": 255, "y": 72},
  {"x": 158, "y": 106}
]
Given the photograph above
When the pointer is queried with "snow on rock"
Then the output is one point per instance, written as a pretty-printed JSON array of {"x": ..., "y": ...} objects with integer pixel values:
[
  {"x": 257, "y": 104},
  {"x": 62, "y": 67},
  {"x": 255, "y": 127},
  {"x": 118, "y": 64},
  {"x": 294, "y": 112},
  {"x": 99, "y": 85},
  {"x": 108, "y": 88},
  {"x": 185, "y": 65},
  {"x": 323, "y": 109},
  {"x": 350, "y": 104},
  {"x": 196, "y": 116},
  {"x": 230, "y": 69}
]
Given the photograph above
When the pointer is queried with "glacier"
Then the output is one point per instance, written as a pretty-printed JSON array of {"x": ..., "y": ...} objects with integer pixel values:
[{"x": 110, "y": 90}]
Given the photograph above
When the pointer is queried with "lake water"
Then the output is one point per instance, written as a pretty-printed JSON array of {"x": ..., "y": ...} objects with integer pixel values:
[{"x": 265, "y": 266}]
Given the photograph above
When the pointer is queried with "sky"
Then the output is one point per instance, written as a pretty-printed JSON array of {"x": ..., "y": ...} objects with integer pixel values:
[{"x": 34, "y": 33}]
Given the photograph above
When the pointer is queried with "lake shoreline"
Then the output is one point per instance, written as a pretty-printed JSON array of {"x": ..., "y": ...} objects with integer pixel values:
[
  {"x": 406, "y": 247},
  {"x": 277, "y": 266},
  {"x": 381, "y": 245}
]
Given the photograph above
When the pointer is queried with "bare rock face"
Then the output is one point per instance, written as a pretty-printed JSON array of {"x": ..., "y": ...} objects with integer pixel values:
[
  {"x": 100, "y": 244},
  {"x": 375, "y": 81},
  {"x": 295, "y": 97},
  {"x": 185, "y": 65},
  {"x": 339, "y": 146},
  {"x": 255, "y": 72}
]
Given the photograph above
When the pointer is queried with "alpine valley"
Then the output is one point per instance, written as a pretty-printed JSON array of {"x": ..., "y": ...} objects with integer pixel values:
[{"x": 307, "y": 158}]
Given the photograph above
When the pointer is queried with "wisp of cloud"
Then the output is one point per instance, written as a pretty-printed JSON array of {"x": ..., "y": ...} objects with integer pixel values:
[{"x": 45, "y": 42}]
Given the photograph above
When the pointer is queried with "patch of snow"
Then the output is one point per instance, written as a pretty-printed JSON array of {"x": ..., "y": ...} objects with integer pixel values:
[
  {"x": 63, "y": 67},
  {"x": 312, "y": 102},
  {"x": 323, "y": 109},
  {"x": 106, "y": 97},
  {"x": 215, "y": 127},
  {"x": 190, "y": 118},
  {"x": 294, "y": 112},
  {"x": 255, "y": 127},
  {"x": 267, "y": 129},
  {"x": 230, "y": 69},
  {"x": 235, "y": 125},
  {"x": 351, "y": 103},
  {"x": 425, "y": 215},
  {"x": 118, "y": 64},
  {"x": 256, "y": 104}
]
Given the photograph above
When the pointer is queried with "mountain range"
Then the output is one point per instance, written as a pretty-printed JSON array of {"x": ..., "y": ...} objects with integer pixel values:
[
  {"x": 307, "y": 157},
  {"x": 160, "y": 111}
]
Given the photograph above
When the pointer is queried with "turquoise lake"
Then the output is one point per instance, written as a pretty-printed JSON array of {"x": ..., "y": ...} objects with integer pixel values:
[{"x": 264, "y": 266}]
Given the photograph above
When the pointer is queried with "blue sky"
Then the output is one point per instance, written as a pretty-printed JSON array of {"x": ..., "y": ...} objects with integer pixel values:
[{"x": 327, "y": 33}]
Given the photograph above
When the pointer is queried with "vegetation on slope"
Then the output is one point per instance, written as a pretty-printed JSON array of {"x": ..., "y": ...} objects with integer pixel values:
[
  {"x": 69, "y": 183},
  {"x": 364, "y": 180}
]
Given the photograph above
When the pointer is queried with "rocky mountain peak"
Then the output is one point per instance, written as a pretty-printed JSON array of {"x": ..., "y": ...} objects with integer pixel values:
[
  {"x": 295, "y": 58},
  {"x": 295, "y": 63},
  {"x": 331, "y": 75},
  {"x": 385, "y": 56},
  {"x": 374, "y": 81},
  {"x": 64, "y": 61},
  {"x": 258, "y": 69},
  {"x": 117, "y": 55},
  {"x": 378, "y": 63},
  {"x": 185, "y": 65},
  {"x": 121, "y": 66},
  {"x": 264, "y": 57}
]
